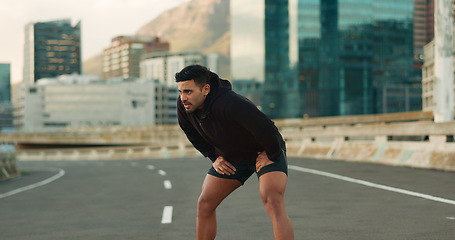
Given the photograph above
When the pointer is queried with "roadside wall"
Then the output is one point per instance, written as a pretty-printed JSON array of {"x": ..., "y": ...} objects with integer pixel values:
[
  {"x": 404, "y": 139},
  {"x": 8, "y": 168}
]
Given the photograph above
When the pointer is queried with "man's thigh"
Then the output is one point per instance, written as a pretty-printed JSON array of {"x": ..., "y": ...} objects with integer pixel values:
[
  {"x": 273, "y": 183},
  {"x": 215, "y": 189}
]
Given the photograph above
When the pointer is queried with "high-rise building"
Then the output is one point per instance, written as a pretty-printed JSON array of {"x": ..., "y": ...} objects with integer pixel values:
[
  {"x": 122, "y": 58},
  {"x": 429, "y": 78},
  {"x": 6, "y": 108},
  {"x": 423, "y": 28},
  {"x": 5, "y": 82},
  {"x": 51, "y": 49},
  {"x": 356, "y": 57},
  {"x": 353, "y": 56},
  {"x": 264, "y": 50},
  {"x": 162, "y": 66},
  {"x": 6, "y": 117}
]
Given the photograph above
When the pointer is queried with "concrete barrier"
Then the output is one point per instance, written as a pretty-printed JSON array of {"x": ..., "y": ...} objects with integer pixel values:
[
  {"x": 405, "y": 139},
  {"x": 8, "y": 168},
  {"x": 109, "y": 153},
  {"x": 414, "y": 144}
]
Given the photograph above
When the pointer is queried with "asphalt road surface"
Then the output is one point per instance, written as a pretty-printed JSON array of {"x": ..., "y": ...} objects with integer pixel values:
[{"x": 156, "y": 199}]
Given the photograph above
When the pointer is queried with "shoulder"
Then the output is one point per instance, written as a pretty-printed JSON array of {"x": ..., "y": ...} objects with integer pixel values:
[
  {"x": 232, "y": 98},
  {"x": 232, "y": 103}
]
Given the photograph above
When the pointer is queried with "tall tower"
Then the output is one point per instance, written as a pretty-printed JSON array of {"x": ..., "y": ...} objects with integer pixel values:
[
  {"x": 5, "y": 82},
  {"x": 264, "y": 49},
  {"x": 443, "y": 61},
  {"x": 423, "y": 28},
  {"x": 356, "y": 57},
  {"x": 122, "y": 58},
  {"x": 51, "y": 49}
]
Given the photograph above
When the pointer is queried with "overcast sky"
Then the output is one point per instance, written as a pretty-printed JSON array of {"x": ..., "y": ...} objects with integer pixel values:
[{"x": 100, "y": 21}]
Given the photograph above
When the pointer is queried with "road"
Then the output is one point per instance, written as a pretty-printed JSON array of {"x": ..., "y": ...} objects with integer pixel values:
[{"x": 156, "y": 199}]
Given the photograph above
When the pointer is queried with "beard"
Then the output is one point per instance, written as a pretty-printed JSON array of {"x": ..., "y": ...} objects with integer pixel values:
[{"x": 188, "y": 110}]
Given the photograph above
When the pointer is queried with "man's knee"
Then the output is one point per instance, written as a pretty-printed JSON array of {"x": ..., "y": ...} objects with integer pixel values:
[
  {"x": 205, "y": 206},
  {"x": 272, "y": 199}
]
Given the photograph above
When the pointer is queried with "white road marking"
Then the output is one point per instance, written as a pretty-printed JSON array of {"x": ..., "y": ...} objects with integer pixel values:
[
  {"x": 60, "y": 174},
  {"x": 134, "y": 164},
  {"x": 450, "y": 218},
  {"x": 167, "y": 184},
  {"x": 167, "y": 215},
  {"x": 373, "y": 185},
  {"x": 150, "y": 167},
  {"x": 162, "y": 173}
]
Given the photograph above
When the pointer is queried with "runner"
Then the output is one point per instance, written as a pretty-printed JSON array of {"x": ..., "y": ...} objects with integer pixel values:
[{"x": 239, "y": 139}]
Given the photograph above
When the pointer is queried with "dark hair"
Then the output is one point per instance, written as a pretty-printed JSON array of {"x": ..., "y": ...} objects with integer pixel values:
[{"x": 200, "y": 74}]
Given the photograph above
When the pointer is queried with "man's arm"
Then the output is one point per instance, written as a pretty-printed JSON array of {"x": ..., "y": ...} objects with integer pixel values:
[{"x": 245, "y": 113}]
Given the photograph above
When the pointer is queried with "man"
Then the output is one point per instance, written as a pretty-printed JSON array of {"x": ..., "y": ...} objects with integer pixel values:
[{"x": 239, "y": 139}]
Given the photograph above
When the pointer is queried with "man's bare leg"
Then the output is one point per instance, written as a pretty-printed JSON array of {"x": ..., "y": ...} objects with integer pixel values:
[
  {"x": 271, "y": 187},
  {"x": 214, "y": 191}
]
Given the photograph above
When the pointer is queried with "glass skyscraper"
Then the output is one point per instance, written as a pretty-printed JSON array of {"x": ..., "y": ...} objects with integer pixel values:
[
  {"x": 6, "y": 108},
  {"x": 51, "y": 49},
  {"x": 5, "y": 82},
  {"x": 264, "y": 50},
  {"x": 356, "y": 57},
  {"x": 325, "y": 57}
]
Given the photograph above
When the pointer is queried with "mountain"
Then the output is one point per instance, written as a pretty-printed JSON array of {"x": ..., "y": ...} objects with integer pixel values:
[
  {"x": 93, "y": 66},
  {"x": 201, "y": 25}
]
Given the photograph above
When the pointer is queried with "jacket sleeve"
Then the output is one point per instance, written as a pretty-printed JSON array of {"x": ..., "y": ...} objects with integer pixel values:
[
  {"x": 193, "y": 136},
  {"x": 247, "y": 115}
]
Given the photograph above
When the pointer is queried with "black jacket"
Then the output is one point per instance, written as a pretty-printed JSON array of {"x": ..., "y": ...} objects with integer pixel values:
[{"x": 231, "y": 126}]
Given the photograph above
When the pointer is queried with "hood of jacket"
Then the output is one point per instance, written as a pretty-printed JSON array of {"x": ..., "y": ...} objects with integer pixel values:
[{"x": 218, "y": 87}]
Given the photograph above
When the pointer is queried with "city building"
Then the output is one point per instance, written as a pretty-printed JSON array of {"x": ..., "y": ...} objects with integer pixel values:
[
  {"x": 250, "y": 89},
  {"x": 429, "y": 79},
  {"x": 6, "y": 108},
  {"x": 162, "y": 66},
  {"x": 6, "y": 117},
  {"x": 423, "y": 28},
  {"x": 53, "y": 104},
  {"x": 264, "y": 49},
  {"x": 356, "y": 57},
  {"x": 122, "y": 58},
  {"x": 330, "y": 57},
  {"x": 5, "y": 82},
  {"x": 51, "y": 49}
]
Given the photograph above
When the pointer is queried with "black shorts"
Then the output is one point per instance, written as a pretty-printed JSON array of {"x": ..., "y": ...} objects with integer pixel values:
[{"x": 243, "y": 172}]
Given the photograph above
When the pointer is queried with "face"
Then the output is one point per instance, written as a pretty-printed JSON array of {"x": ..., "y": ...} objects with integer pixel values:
[{"x": 192, "y": 96}]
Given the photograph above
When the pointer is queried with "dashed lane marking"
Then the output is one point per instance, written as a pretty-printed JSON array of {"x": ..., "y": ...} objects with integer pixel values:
[
  {"x": 167, "y": 184},
  {"x": 150, "y": 167},
  {"x": 373, "y": 185},
  {"x": 167, "y": 215},
  {"x": 162, "y": 173}
]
